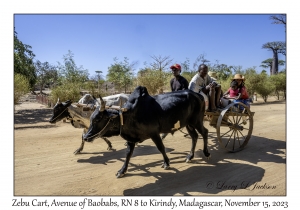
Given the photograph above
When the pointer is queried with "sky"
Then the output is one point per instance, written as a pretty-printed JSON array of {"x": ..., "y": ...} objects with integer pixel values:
[{"x": 96, "y": 39}]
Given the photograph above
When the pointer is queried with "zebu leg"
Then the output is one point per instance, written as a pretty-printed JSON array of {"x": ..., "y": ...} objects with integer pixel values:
[
  {"x": 163, "y": 136},
  {"x": 107, "y": 142},
  {"x": 160, "y": 146},
  {"x": 82, "y": 143},
  {"x": 194, "y": 137},
  {"x": 123, "y": 170},
  {"x": 204, "y": 133}
]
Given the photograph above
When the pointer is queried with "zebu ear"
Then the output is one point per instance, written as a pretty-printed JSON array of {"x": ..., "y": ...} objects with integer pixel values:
[{"x": 103, "y": 103}]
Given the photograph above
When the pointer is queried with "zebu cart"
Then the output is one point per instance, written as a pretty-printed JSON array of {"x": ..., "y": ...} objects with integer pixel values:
[{"x": 234, "y": 125}]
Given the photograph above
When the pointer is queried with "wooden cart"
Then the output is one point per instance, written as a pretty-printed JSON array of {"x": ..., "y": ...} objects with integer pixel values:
[{"x": 234, "y": 125}]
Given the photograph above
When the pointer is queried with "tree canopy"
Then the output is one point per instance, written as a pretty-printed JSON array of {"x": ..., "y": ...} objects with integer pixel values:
[
  {"x": 153, "y": 80},
  {"x": 121, "y": 73},
  {"x": 46, "y": 74},
  {"x": 160, "y": 62},
  {"x": 23, "y": 61},
  {"x": 268, "y": 64},
  {"x": 70, "y": 72},
  {"x": 275, "y": 47},
  {"x": 279, "y": 19}
]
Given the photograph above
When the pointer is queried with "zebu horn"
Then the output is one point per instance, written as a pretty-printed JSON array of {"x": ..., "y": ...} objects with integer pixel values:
[
  {"x": 96, "y": 101},
  {"x": 102, "y": 108},
  {"x": 58, "y": 101},
  {"x": 97, "y": 104}
]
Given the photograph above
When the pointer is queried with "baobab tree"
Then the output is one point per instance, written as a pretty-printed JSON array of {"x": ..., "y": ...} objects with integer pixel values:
[
  {"x": 275, "y": 47},
  {"x": 279, "y": 19},
  {"x": 268, "y": 64}
]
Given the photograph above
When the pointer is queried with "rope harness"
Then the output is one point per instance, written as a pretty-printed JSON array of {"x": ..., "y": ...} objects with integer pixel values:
[
  {"x": 120, "y": 111},
  {"x": 99, "y": 133},
  {"x": 60, "y": 114}
]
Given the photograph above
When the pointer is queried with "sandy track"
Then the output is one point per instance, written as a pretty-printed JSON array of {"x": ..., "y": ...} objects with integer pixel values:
[{"x": 44, "y": 163}]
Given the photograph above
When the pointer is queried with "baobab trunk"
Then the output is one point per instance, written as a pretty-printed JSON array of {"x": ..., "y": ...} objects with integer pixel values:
[{"x": 275, "y": 62}]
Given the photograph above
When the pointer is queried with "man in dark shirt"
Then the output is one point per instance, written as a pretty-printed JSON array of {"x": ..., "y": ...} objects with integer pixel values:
[{"x": 178, "y": 82}]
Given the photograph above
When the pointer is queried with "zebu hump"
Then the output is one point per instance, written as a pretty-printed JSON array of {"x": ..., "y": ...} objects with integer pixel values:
[{"x": 116, "y": 100}]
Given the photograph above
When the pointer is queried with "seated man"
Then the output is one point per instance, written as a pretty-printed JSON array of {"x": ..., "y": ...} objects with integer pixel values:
[{"x": 202, "y": 82}]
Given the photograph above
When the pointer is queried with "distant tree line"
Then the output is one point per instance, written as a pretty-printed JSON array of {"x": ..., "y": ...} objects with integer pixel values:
[{"x": 66, "y": 79}]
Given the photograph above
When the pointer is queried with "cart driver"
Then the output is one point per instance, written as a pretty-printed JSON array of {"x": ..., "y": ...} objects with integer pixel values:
[{"x": 202, "y": 82}]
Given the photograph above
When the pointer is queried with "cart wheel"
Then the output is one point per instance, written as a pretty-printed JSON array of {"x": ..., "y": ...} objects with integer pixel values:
[{"x": 234, "y": 127}]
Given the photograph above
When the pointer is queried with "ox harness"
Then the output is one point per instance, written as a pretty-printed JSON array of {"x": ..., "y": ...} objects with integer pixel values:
[
  {"x": 60, "y": 114},
  {"x": 120, "y": 112}
]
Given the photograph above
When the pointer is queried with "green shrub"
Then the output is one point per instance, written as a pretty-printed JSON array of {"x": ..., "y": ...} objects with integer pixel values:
[
  {"x": 265, "y": 88},
  {"x": 225, "y": 84},
  {"x": 66, "y": 91},
  {"x": 21, "y": 87},
  {"x": 154, "y": 80}
]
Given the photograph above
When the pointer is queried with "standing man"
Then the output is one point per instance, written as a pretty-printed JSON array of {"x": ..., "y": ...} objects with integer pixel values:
[
  {"x": 178, "y": 82},
  {"x": 203, "y": 82}
]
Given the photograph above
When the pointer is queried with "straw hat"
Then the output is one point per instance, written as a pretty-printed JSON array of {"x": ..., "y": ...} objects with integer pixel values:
[
  {"x": 212, "y": 74},
  {"x": 238, "y": 76}
]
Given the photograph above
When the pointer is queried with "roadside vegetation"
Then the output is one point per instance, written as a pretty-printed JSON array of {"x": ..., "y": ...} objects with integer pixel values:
[
  {"x": 67, "y": 80},
  {"x": 21, "y": 87}
]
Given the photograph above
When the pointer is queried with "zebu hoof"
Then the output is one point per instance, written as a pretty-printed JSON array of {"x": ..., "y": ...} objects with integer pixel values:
[
  {"x": 109, "y": 148},
  {"x": 208, "y": 157},
  {"x": 165, "y": 166},
  {"x": 189, "y": 158},
  {"x": 120, "y": 175},
  {"x": 77, "y": 151}
]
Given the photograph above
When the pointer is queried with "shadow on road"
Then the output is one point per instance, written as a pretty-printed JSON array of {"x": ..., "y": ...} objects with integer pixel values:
[
  {"x": 210, "y": 176},
  {"x": 205, "y": 179},
  {"x": 107, "y": 156},
  {"x": 258, "y": 149},
  {"x": 32, "y": 116}
]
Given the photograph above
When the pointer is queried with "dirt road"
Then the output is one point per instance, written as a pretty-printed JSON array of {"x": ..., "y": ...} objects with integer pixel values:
[{"x": 44, "y": 163}]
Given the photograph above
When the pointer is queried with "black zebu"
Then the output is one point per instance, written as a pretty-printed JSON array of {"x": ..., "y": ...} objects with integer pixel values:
[
  {"x": 79, "y": 113},
  {"x": 146, "y": 117}
]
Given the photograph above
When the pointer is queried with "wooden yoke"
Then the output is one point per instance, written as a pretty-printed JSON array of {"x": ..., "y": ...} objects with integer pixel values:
[
  {"x": 82, "y": 105},
  {"x": 116, "y": 107},
  {"x": 121, "y": 110},
  {"x": 106, "y": 107}
]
